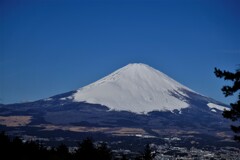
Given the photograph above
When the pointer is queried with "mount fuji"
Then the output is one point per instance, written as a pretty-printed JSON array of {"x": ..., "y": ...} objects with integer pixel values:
[
  {"x": 134, "y": 100},
  {"x": 138, "y": 88}
]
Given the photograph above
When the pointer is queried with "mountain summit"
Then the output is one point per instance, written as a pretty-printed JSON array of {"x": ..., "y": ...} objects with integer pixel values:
[{"x": 137, "y": 88}]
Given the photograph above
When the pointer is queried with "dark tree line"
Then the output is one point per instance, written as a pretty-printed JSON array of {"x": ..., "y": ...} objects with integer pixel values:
[
  {"x": 15, "y": 148},
  {"x": 147, "y": 154},
  {"x": 234, "y": 113}
]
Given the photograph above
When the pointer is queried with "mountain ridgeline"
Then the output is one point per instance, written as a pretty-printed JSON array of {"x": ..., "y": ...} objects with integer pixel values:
[{"x": 136, "y": 100}]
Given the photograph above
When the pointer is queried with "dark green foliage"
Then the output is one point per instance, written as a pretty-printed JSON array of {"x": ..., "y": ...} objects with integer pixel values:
[{"x": 234, "y": 113}]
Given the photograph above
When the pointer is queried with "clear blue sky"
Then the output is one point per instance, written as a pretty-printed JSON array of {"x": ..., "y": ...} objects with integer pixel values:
[{"x": 49, "y": 47}]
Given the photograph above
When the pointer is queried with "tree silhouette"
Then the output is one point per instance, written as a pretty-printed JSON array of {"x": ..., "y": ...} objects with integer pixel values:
[
  {"x": 12, "y": 148},
  {"x": 5, "y": 145},
  {"x": 103, "y": 152},
  {"x": 17, "y": 148},
  {"x": 62, "y": 152},
  {"x": 124, "y": 157},
  {"x": 147, "y": 154},
  {"x": 33, "y": 150},
  {"x": 234, "y": 113},
  {"x": 86, "y": 150}
]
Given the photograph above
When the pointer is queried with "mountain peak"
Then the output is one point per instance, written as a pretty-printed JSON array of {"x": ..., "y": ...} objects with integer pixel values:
[
  {"x": 136, "y": 66},
  {"x": 135, "y": 87}
]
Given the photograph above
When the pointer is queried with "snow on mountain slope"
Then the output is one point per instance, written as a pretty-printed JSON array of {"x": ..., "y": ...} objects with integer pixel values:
[
  {"x": 215, "y": 106},
  {"x": 137, "y": 88}
]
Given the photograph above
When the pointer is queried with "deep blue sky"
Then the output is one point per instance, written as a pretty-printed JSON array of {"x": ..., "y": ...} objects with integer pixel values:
[{"x": 49, "y": 47}]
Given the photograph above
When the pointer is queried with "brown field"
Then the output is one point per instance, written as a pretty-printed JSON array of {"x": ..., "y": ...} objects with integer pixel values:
[
  {"x": 15, "y": 121},
  {"x": 118, "y": 131}
]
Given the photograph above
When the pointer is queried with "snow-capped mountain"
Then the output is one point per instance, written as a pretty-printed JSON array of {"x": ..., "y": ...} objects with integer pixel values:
[
  {"x": 138, "y": 88},
  {"x": 135, "y": 99}
]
